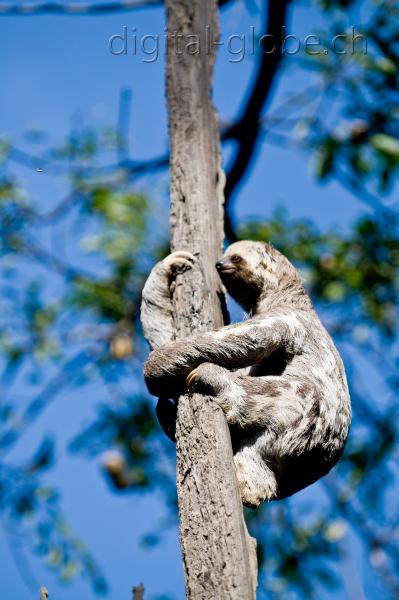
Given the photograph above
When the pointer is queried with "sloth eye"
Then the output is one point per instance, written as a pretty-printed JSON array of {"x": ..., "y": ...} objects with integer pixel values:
[{"x": 235, "y": 258}]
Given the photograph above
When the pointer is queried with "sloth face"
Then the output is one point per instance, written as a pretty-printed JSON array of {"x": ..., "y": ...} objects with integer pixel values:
[{"x": 247, "y": 269}]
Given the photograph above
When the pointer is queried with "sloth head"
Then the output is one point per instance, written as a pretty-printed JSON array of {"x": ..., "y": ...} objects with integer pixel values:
[{"x": 251, "y": 271}]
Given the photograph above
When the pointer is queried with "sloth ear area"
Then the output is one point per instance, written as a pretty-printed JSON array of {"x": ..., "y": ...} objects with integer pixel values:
[{"x": 269, "y": 264}]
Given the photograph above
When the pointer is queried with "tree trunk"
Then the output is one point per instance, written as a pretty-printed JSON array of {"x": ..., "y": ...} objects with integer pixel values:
[{"x": 219, "y": 556}]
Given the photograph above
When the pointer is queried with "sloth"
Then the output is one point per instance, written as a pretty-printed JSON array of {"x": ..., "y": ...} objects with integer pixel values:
[{"x": 277, "y": 375}]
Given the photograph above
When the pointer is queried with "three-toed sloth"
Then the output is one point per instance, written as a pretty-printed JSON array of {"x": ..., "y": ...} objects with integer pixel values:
[{"x": 277, "y": 375}]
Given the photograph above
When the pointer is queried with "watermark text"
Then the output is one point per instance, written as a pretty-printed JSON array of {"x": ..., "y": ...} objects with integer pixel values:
[{"x": 238, "y": 45}]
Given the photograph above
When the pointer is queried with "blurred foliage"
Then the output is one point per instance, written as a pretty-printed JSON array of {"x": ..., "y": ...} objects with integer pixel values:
[
  {"x": 366, "y": 144},
  {"x": 31, "y": 511},
  {"x": 72, "y": 278},
  {"x": 140, "y": 459},
  {"x": 64, "y": 324},
  {"x": 357, "y": 273}
]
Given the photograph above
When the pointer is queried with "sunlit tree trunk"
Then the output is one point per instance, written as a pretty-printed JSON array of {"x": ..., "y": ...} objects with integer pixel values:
[{"x": 218, "y": 554}]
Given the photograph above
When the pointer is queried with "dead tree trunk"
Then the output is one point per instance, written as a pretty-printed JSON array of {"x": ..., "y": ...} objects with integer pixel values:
[{"x": 218, "y": 554}]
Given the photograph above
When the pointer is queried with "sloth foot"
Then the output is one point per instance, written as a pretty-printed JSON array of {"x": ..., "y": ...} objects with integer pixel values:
[
  {"x": 255, "y": 490},
  {"x": 208, "y": 378}
]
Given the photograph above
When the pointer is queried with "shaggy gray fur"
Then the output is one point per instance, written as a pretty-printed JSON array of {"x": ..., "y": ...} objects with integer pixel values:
[{"x": 277, "y": 376}]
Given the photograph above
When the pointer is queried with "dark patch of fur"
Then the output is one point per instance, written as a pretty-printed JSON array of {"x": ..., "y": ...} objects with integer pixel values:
[
  {"x": 243, "y": 286},
  {"x": 314, "y": 412},
  {"x": 275, "y": 364},
  {"x": 224, "y": 309},
  {"x": 297, "y": 472},
  {"x": 304, "y": 389}
]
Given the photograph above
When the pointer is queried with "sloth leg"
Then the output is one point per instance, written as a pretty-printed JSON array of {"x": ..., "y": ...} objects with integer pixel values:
[
  {"x": 261, "y": 411},
  {"x": 268, "y": 402}
]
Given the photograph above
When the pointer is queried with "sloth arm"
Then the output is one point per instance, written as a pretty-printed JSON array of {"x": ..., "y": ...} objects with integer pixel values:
[
  {"x": 156, "y": 304},
  {"x": 156, "y": 308},
  {"x": 235, "y": 346}
]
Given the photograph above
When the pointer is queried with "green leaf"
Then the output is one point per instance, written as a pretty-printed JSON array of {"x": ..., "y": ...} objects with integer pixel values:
[{"x": 386, "y": 144}]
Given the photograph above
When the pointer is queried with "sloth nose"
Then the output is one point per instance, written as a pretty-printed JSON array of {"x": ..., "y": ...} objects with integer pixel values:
[{"x": 224, "y": 266}]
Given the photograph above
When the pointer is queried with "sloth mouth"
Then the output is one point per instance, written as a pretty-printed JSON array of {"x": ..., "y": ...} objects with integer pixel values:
[{"x": 227, "y": 270}]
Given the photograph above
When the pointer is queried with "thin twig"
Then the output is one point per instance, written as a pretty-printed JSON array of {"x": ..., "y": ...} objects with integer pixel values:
[
  {"x": 55, "y": 263},
  {"x": 138, "y": 592},
  {"x": 123, "y": 125},
  {"x": 15, "y": 546},
  {"x": 41, "y": 401},
  {"x": 83, "y": 9},
  {"x": 133, "y": 167}
]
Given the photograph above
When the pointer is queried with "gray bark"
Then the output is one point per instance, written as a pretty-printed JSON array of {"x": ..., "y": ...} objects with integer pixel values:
[
  {"x": 138, "y": 592},
  {"x": 219, "y": 556}
]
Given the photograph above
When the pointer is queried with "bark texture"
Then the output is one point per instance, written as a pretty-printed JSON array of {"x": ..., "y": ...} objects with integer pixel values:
[
  {"x": 219, "y": 556},
  {"x": 138, "y": 592}
]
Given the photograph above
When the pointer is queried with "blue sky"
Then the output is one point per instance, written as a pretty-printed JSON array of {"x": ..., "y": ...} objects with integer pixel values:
[{"x": 53, "y": 69}]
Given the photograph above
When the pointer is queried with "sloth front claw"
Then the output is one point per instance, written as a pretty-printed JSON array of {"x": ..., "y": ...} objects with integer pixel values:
[
  {"x": 208, "y": 378},
  {"x": 192, "y": 379}
]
